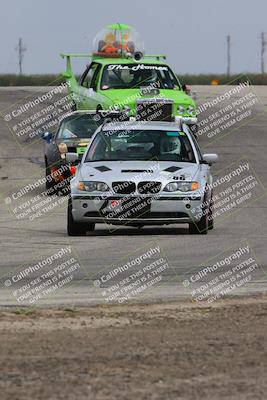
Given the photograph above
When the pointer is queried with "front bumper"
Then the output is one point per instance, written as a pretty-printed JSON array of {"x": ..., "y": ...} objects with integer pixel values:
[{"x": 136, "y": 210}]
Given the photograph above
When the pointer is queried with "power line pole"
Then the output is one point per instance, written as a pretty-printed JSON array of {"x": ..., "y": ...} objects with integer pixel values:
[
  {"x": 228, "y": 40},
  {"x": 21, "y": 50},
  {"x": 263, "y": 46}
]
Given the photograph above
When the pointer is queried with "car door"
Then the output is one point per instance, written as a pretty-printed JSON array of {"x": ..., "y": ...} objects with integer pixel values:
[{"x": 89, "y": 99}]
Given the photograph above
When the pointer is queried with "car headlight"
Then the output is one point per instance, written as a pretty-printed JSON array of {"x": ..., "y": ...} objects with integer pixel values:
[
  {"x": 116, "y": 107},
  {"x": 181, "y": 109},
  {"x": 181, "y": 186},
  {"x": 126, "y": 109},
  {"x": 191, "y": 110},
  {"x": 92, "y": 186}
]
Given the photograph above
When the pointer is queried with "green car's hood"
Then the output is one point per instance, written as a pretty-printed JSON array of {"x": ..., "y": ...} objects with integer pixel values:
[{"x": 130, "y": 96}]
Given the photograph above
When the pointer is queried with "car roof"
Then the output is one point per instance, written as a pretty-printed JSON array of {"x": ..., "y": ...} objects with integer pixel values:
[
  {"x": 149, "y": 61},
  {"x": 143, "y": 125}
]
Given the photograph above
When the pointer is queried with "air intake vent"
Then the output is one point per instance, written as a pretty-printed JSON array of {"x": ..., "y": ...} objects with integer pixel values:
[
  {"x": 103, "y": 168},
  {"x": 124, "y": 187},
  {"x": 149, "y": 187},
  {"x": 137, "y": 171}
]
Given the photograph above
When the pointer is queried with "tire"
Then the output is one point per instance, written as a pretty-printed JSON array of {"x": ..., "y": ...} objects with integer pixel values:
[
  {"x": 201, "y": 227},
  {"x": 210, "y": 216},
  {"x": 77, "y": 228},
  {"x": 49, "y": 185}
]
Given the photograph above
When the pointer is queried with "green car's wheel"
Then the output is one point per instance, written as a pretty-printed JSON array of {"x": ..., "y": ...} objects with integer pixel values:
[{"x": 77, "y": 228}]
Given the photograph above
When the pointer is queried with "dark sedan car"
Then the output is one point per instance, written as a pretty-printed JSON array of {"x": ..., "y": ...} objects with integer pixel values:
[{"x": 73, "y": 135}]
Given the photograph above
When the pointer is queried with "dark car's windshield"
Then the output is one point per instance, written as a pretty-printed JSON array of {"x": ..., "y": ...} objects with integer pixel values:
[
  {"x": 129, "y": 76},
  {"x": 83, "y": 126},
  {"x": 137, "y": 145}
]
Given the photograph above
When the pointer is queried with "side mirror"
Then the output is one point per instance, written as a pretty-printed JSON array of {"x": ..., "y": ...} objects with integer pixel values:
[
  {"x": 66, "y": 75},
  {"x": 47, "y": 136},
  {"x": 72, "y": 158},
  {"x": 210, "y": 158}
]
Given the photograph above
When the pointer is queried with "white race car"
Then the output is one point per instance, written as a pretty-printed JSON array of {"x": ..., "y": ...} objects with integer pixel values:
[{"x": 149, "y": 173}]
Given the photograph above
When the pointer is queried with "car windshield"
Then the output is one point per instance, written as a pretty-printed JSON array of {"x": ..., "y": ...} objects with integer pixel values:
[
  {"x": 144, "y": 145},
  {"x": 83, "y": 126},
  {"x": 129, "y": 76}
]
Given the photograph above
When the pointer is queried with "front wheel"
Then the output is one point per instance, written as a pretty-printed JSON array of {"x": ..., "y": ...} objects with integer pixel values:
[
  {"x": 49, "y": 181},
  {"x": 77, "y": 228},
  {"x": 198, "y": 228},
  {"x": 201, "y": 227},
  {"x": 210, "y": 216}
]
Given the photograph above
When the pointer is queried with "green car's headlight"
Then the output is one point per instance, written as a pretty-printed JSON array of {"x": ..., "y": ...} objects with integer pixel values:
[
  {"x": 92, "y": 186},
  {"x": 191, "y": 110},
  {"x": 181, "y": 186},
  {"x": 126, "y": 109},
  {"x": 116, "y": 107}
]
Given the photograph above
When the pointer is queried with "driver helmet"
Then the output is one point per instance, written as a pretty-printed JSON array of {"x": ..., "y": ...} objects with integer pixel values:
[{"x": 171, "y": 145}]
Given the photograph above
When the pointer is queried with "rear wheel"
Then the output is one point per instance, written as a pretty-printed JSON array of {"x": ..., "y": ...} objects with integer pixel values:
[{"x": 77, "y": 228}]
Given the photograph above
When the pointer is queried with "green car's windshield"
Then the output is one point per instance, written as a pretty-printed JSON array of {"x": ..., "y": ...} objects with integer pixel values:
[
  {"x": 129, "y": 76},
  {"x": 145, "y": 145}
]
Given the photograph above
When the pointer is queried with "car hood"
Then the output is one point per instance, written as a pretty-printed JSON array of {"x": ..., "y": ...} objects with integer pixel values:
[
  {"x": 130, "y": 96},
  {"x": 110, "y": 171}
]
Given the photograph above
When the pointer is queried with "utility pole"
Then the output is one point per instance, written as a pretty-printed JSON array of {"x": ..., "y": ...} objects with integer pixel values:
[
  {"x": 228, "y": 40},
  {"x": 21, "y": 50},
  {"x": 263, "y": 46}
]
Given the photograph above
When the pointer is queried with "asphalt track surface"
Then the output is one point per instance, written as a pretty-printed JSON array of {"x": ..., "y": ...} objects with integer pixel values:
[{"x": 24, "y": 243}]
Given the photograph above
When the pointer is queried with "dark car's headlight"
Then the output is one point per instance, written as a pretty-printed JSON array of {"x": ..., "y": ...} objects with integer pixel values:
[
  {"x": 181, "y": 186},
  {"x": 92, "y": 186}
]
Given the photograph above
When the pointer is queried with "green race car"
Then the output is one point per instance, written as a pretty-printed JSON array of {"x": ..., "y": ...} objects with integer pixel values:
[{"x": 121, "y": 78}]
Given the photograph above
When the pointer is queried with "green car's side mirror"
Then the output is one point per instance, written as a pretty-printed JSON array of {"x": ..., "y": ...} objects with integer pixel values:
[{"x": 66, "y": 75}]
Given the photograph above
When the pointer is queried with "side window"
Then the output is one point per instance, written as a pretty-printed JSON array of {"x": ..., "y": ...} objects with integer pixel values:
[
  {"x": 89, "y": 74},
  {"x": 95, "y": 78}
]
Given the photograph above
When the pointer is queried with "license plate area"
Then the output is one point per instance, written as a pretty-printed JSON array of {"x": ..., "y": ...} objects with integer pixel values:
[{"x": 126, "y": 208}]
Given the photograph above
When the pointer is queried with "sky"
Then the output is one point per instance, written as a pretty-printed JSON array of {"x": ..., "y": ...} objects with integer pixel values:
[{"x": 192, "y": 33}]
